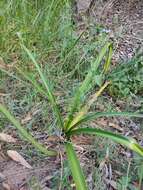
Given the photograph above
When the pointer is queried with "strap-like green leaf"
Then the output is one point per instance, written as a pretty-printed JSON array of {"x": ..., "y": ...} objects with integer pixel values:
[
  {"x": 108, "y": 61},
  {"x": 49, "y": 91},
  {"x": 85, "y": 108},
  {"x": 77, "y": 173},
  {"x": 86, "y": 85},
  {"x": 91, "y": 116},
  {"x": 24, "y": 132},
  {"x": 128, "y": 142}
]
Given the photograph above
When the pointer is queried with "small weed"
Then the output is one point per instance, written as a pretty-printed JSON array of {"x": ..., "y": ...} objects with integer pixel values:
[{"x": 127, "y": 78}]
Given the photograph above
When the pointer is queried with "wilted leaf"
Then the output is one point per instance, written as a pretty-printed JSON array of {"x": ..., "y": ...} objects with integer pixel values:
[
  {"x": 18, "y": 158},
  {"x": 7, "y": 138}
]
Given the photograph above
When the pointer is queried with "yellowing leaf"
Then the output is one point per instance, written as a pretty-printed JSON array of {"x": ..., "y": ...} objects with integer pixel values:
[
  {"x": 85, "y": 109},
  {"x": 7, "y": 138},
  {"x": 18, "y": 158}
]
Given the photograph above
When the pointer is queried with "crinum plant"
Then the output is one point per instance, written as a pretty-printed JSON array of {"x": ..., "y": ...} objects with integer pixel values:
[{"x": 72, "y": 124}]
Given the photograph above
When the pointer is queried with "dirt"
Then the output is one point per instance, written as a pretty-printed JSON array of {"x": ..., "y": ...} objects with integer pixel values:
[
  {"x": 123, "y": 21},
  {"x": 14, "y": 176}
]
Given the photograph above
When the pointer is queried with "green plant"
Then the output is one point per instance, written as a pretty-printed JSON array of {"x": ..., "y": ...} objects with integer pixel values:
[
  {"x": 79, "y": 113},
  {"x": 127, "y": 78}
]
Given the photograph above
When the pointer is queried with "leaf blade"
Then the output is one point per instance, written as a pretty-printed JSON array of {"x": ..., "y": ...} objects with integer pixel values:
[
  {"x": 14, "y": 155},
  {"x": 85, "y": 108},
  {"x": 108, "y": 61},
  {"x": 50, "y": 94},
  {"x": 77, "y": 173},
  {"x": 86, "y": 84},
  {"x": 24, "y": 132},
  {"x": 92, "y": 116},
  {"x": 128, "y": 142},
  {"x": 7, "y": 138}
]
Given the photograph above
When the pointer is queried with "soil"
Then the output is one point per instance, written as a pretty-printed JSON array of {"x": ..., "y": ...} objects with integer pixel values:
[{"x": 123, "y": 21}]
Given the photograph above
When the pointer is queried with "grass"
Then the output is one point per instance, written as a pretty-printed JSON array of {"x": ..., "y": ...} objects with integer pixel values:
[{"x": 62, "y": 60}]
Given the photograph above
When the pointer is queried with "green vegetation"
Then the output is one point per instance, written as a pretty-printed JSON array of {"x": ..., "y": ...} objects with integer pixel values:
[
  {"x": 44, "y": 61},
  {"x": 127, "y": 78}
]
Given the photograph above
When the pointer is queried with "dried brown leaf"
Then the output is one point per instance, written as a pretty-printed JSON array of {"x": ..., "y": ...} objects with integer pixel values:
[
  {"x": 14, "y": 155},
  {"x": 7, "y": 138}
]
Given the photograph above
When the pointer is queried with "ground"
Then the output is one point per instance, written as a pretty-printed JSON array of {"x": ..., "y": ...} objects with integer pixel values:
[{"x": 122, "y": 21}]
